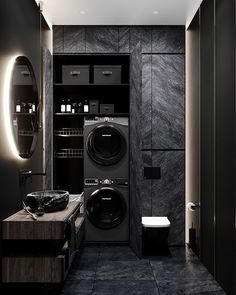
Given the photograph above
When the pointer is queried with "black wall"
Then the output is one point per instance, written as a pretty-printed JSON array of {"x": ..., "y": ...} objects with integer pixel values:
[
  {"x": 19, "y": 34},
  {"x": 159, "y": 115},
  {"x": 225, "y": 143},
  {"x": 217, "y": 139}
]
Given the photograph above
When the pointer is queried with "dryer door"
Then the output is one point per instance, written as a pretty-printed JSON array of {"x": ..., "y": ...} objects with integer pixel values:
[
  {"x": 106, "y": 145},
  {"x": 106, "y": 208}
]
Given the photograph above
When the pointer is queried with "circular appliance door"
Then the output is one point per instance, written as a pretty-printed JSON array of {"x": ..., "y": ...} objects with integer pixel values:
[
  {"x": 106, "y": 145},
  {"x": 106, "y": 208}
]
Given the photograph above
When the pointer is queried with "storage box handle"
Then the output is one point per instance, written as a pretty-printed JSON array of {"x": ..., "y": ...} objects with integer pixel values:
[
  {"x": 107, "y": 73},
  {"x": 25, "y": 73},
  {"x": 75, "y": 73}
]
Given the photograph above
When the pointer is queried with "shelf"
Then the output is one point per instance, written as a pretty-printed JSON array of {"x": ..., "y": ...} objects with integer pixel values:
[
  {"x": 24, "y": 114},
  {"x": 69, "y": 153},
  {"x": 91, "y": 114},
  {"x": 69, "y": 132},
  {"x": 92, "y": 85},
  {"x": 26, "y": 133}
]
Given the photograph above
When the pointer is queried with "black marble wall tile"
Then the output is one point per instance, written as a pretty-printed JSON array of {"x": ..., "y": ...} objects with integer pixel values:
[
  {"x": 168, "y": 39},
  {"x": 74, "y": 39},
  {"x": 135, "y": 150},
  {"x": 141, "y": 34},
  {"x": 168, "y": 197},
  {"x": 58, "y": 42},
  {"x": 48, "y": 111},
  {"x": 124, "y": 36},
  {"x": 102, "y": 39},
  {"x": 146, "y": 102},
  {"x": 168, "y": 101},
  {"x": 146, "y": 185}
]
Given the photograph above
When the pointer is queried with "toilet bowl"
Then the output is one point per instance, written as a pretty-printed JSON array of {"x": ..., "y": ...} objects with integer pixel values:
[{"x": 155, "y": 231}]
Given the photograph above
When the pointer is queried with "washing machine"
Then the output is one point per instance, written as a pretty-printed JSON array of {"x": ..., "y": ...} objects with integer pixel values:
[
  {"x": 106, "y": 147},
  {"x": 106, "y": 209}
]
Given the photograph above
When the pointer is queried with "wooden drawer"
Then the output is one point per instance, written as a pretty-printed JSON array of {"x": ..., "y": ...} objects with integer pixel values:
[{"x": 33, "y": 269}]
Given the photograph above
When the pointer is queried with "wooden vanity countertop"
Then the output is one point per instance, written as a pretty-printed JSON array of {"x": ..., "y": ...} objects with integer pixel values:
[{"x": 49, "y": 226}]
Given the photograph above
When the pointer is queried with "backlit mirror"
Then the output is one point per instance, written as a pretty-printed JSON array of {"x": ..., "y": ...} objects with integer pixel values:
[{"x": 24, "y": 107}]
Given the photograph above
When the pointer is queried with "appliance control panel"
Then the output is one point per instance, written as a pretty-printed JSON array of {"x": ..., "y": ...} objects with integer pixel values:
[{"x": 106, "y": 181}]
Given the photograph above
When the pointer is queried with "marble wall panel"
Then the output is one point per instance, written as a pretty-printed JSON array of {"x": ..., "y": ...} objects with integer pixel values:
[
  {"x": 168, "y": 192},
  {"x": 168, "y": 39},
  {"x": 74, "y": 39},
  {"x": 168, "y": 102},
  {"x": 102, "y": 39}
]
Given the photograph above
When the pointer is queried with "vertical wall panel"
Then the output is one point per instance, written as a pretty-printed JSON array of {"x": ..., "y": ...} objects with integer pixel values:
[
  {"x": 168, "y": 197},
  {"x": 168, "y": 39},
  {"x": 48, "y": 111},
  {"x": 142, "y": 35},
  {"x": 102, "y": 39},
  {"x": 19, "y": 33},
  {"x": 146, "y": 121},
  {"x": 168, "y": 101},
  {"x": 124, "y": 39},
  {"x": 207, "y": 135},
  {"x": 146, "y": 185},
  {"x": 225, "y": 144},
  {"x": 135, "y": 150},
  {"x": 74, "y": 39},
  {"x": 58, "y": 41},
  {"x": 192, "y": 122}
]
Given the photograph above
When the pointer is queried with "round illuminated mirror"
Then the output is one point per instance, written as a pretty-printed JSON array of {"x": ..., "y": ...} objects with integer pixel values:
[{"x": 24, "y": 106}]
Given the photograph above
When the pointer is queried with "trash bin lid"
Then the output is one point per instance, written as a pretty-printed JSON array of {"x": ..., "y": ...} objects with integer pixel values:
[{"x": 155, "y": 221}]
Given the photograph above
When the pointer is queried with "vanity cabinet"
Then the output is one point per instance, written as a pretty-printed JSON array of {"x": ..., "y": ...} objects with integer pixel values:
[{"x": 41, "y": 251}]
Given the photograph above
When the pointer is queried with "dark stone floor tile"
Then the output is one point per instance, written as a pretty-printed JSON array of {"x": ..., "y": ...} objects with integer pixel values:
[
  {"x": 125, "y": 287},
  {"x": 125, "y": 270},
  {"x": 212, "y": 293},
  {"x": 187, "y": 287},
  {"x": 79, "y": 287},
  {"x": 117, "y": 253},
  {"x": 90, "y": 249},
  {"x": 84, "y": 266}
]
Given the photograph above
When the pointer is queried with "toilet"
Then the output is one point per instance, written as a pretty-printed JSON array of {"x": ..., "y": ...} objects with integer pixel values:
[{"x": 155, "y": 232}]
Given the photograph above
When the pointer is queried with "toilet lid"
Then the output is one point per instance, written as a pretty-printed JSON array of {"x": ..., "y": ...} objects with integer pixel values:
[{"x": 155, "y": 221}]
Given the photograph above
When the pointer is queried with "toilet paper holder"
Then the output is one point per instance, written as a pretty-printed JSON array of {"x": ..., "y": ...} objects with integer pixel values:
[{"x": 192, "y": 207}]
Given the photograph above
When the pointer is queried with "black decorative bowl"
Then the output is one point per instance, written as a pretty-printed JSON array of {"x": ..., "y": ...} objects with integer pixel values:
[{"x": 51, "y": 201}]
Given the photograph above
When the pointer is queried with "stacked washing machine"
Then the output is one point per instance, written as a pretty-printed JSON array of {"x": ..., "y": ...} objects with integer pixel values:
[{"x": 106, "y": 179}]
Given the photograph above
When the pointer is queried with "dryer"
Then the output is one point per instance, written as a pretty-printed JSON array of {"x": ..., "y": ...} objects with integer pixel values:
[
  {"x": 106, "y": 210},
  {"x": 106, "y": 147}
]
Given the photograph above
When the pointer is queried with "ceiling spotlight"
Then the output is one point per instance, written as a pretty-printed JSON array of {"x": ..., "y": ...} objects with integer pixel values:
[
  {"x": 155, "y": 12},
  {"x": 82, "y": 12}
]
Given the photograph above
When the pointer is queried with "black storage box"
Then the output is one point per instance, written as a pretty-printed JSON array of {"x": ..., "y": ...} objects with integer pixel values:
[
  {"x": 75, "y": 75},
  {"x": 21, "y": 75},
  {"x": 106, "y": 108},
  {"x": 107, "y": 75},
  {"x": 93, "y": 106}
]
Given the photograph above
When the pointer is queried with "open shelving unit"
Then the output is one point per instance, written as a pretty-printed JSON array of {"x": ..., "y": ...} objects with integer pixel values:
[{"x": 68, "y": 127}]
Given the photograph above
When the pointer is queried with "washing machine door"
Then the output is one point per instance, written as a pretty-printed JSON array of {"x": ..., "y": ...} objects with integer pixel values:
[
  {"x": 106, "y": 208},
  {"x": 106, "y": 145}
]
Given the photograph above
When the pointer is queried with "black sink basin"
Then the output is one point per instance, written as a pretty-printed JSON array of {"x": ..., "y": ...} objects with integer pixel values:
[{"x": 51, "y": 201}]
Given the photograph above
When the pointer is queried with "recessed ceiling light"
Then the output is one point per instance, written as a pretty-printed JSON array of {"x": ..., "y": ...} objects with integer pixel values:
[
  {"x": 82, "y": 12},
  {"x": 155, "y": 12}
]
